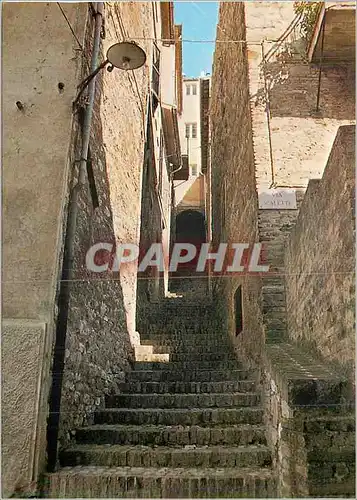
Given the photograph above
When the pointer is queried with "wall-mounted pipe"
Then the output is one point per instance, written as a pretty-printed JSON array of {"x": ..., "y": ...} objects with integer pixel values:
[
  {"x": 68, "y": 261},
  {"x": 267, "y": 109}
]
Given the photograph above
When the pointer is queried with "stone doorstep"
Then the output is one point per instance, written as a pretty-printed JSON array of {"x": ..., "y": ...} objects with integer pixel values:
[
  {"x": 129, "y": 482},
  {"x": 179, "y": 416},
  {"x": 242, "y": 434},
  {"x": 168, "y": 400},
  {"x": 188, "y": 376},
  {"x": 163, "y": 456},
  {"x": 187, "y": 387}
]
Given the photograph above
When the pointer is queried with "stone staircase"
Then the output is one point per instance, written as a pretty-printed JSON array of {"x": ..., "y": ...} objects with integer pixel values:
[{"x": 190, "y": 427}]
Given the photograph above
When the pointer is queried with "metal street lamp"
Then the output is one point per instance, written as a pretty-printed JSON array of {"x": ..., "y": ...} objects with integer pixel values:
[{"x": 122, "y": 55}]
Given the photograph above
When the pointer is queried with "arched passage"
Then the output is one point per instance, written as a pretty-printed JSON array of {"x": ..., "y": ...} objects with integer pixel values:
[{"x": 190, "y": 228}]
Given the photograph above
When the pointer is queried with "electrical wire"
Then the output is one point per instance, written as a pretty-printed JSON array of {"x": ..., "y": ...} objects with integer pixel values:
[
  {"x": 216, "y": 276},
  {"x": 73, "y": 33}
]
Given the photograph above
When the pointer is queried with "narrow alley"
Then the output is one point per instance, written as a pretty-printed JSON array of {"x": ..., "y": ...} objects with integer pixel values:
[{"x": 178, "y": 250}]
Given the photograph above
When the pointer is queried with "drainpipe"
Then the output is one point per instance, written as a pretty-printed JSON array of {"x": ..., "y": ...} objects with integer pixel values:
[
  {"x": 68, "y": 261},
  {"x": 181, "y": 165}
]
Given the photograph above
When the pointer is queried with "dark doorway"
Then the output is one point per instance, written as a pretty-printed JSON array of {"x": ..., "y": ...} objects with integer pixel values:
[
  {"x": 238, "y": 309},
  {"x": 190, "y": 228}
]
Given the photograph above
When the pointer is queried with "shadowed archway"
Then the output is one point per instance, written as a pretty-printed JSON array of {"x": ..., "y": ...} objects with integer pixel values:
[{"x": 190, "y": 227}]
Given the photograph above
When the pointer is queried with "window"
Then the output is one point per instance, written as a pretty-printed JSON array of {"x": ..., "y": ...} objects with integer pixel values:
[
  {"x": 194, "y": 172},
  {"x": 187, "y": 130},
  {"x": 191, "y": 89},
  {"x": 191, "y": 130}
]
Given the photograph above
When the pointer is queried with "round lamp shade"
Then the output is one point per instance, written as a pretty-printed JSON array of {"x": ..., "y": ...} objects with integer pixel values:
[{"x": 126, "y": 55}]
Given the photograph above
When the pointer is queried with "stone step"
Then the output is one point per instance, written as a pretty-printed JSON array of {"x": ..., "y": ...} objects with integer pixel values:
[
  {"x": 152, "y": 358},
  {"x": 146, "y": 353},
  {"x": 272, "y": 281},
  {"x": 178, "y": 416},
  {"x": 178, "y": 332},
  {"x": 334, "y": 488},
  {"x": 274, "y": 337},
  {"x": 167, "y": 400},
  {"x": 181, "y": 332},
  {"x": 204, "y": 356},
  {"x": 275, "y": 323},
  {"x": 174, "y": 435},
  {"x": 184, "y": 343},
  {"x": 188, "y": 365},
  {"x": 182, "y": 303},
  {"x": 340, "y": 422},
  {"x": 164, "y": 456},
  {"x": 141, "y": 482},
  {"x": 274, "y": 300},
  {"x": 195, "y": 349},
  {"x": 187, "y": 387},
  {"x": 271, "y": 311},
  {"x": 188, "y": 376}
]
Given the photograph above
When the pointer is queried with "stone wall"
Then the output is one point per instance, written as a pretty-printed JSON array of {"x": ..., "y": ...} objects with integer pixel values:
[
  {"x": 319, "y": 262},
  {"x": 101, "y": 322},
  {"x": 234, "y": 197}
]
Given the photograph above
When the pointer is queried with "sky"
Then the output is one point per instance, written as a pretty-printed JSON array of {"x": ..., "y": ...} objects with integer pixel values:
[{"x": 199, "y": 20}]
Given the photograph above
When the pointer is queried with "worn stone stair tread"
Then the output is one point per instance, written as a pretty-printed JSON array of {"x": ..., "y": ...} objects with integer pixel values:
[
  {"x": 183, "y": 416},
  {"x": 166, "y": 472},
  {"x": 186, "y": 400},
  {"x": 195, "y": 354},
  {"x": 117, "y": 447},
  {"x": 167, "y": 375},
  {"x": 163, "y": 427},
  {"x": 185, "y": 365},
  {"x": 166, "y": 456},
  {"x": 173, "y": 435},
  {"x": 144, "y": 482},
  {"x": 222, "y": 387}
]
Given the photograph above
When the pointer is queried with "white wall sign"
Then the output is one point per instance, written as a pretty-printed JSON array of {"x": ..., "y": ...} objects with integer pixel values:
[{"x": 278, "y": 199}]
